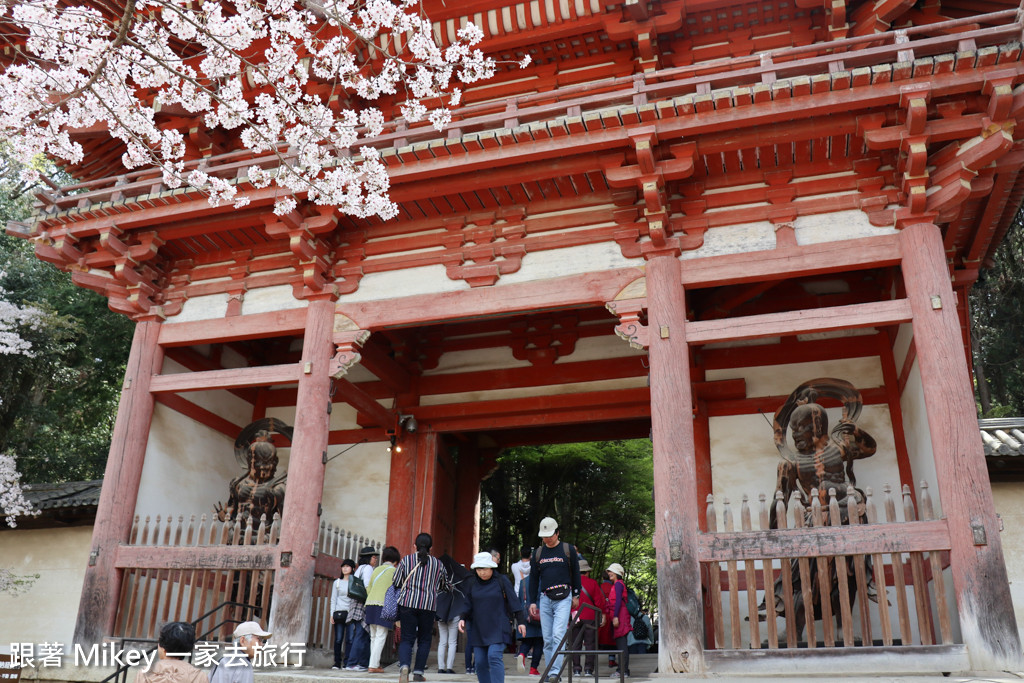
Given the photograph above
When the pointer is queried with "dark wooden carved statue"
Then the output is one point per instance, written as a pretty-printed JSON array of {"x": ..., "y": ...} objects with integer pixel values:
[
  {"x": 257, "y": 492},
  {"x": 821, "y": 459}
]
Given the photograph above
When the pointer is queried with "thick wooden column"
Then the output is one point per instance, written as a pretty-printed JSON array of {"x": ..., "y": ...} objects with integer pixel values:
[
  {"x": 979, "y": 573},
  {"x": 402, "y": 493},
  {"x": 675, "y": 471},
  {"x": 467, "y": 505},
  {"x": 426, "y": 481},
  {"x": 100, "y": 593},
  {"x": 300, "y": 522}
]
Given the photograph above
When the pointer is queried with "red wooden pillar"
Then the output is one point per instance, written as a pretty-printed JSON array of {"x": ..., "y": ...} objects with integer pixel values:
[
  {"x": 300, "y": 521},
  {"x": 100, "y": 592},
  {"x": 467, "y": 505},
  {"x": 979, "y": 574},
  {"x": 675, "y": 471},
  {"x": 402, "y": 493},
  {"x": 426, "y": 482}
]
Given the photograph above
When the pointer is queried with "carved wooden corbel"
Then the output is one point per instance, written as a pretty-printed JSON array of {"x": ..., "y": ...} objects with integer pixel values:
[
  {"x": 630, "y": 329},
  {"x": 346, "y": 354}
]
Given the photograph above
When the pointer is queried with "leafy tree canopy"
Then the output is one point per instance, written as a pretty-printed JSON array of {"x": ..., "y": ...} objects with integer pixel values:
[
  {"x": 600, "y": 493},
  {"x": 998, "y": 328},
  {"x": 60, "y": 399}
]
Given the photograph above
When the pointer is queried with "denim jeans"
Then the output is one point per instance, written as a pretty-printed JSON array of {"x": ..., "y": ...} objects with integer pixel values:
[
  {"x": 554, "y": 621},
  {"x": 359, "y": 654},
  {"x": 418, "y": 627},
  {"x": 342, "y": 641},
  {"x": 490, "y": 667}
]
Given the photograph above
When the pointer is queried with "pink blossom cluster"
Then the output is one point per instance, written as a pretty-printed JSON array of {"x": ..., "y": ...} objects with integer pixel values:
[
  {"x": 12, "y": 499},
  {"x": 13, "y": 318},
  {"x": 82, "y": 70}
]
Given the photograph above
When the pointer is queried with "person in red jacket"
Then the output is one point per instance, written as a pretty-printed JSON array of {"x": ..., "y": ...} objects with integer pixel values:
[
  {"x": 620, "y": 614},
  {"x": 588, "y": 620}
]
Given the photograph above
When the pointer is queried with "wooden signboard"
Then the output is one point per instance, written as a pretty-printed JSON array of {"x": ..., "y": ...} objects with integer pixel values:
[{"x": 8, "y": 672}]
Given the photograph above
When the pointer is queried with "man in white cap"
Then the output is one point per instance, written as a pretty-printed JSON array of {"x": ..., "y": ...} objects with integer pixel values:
[
  {"x": 554, "y": 591},
  {"x": 236, "y": 667}
]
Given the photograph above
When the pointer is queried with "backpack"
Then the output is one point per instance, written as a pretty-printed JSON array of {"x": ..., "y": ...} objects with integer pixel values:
[
  {"x": 640, "y": 631},
  {"x": 632, "y": 603}
]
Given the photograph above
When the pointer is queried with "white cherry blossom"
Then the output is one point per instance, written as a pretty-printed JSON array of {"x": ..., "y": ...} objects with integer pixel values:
[{"x": 292, "y": 80}]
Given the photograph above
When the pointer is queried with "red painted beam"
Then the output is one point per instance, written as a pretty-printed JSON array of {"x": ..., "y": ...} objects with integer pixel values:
[
  {"x": 255, "y": 326},
  {"x": 193, "y": 557},
  {"x": 364, "y": 403},
  {"x": 800, "y": 322},
  {"x": 224, "y": 379}
]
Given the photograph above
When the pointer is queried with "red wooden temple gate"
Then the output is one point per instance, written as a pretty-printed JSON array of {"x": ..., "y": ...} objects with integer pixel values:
[{"x": 734, "y": 189}]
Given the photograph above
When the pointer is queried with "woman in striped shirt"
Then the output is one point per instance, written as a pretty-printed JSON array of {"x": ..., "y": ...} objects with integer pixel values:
[{"x": 418, "y": 578}]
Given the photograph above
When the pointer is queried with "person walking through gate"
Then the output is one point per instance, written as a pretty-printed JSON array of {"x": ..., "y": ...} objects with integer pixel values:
[
  {"x": 359, "y": 657},
  {"x": 532, "y": 643},
  {"x": 521, "y": 569},
  {"x": 554, "y": 591},
  {"x": 376, "y": 590},
  {"x": 419, "y": 577},
  {"x": 340, "y": 605},
  {"x": 490, "y": 603},
  {"x": 620, "y": 615},
  {"x": 588, "y": 620}
]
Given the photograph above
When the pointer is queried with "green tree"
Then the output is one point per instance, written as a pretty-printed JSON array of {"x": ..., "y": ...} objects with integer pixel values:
[
  {"x": 60, "y": 400},
  {"x": 998, "y": 327},
  {"x": 600, "y": 493}
]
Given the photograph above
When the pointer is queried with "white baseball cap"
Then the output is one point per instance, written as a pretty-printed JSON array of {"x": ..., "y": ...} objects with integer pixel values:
[
  {"x": 250, "y": 628},
  {"x": 548, "y": 527},
  {"x": 481, "y": 560}
]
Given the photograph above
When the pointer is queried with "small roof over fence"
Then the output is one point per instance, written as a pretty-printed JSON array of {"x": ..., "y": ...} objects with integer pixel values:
[
  {"x": 1003, "y": 440},
  {"x": 68, "y": 503}
]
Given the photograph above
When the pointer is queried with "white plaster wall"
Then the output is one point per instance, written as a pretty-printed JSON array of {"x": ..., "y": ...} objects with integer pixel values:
[
  {"x": 266, "y": 299},
  {"x": 1009, "y": 500},
  {"x": 841, "y": 225},
  {"x": 395, "y": 284},
  {"x": 780, "y": 380},
  {"x": 47, "y": 612},
  {"x": 735, "y": 239},
  {"x": 476, "y": 360},
  {"x": 586, "y": 258},
  {"x": 919, "y": 440},
  {"x": 902, "y": 345},
  {"x": 202, "y": 308},
  {"x": 188, "y": 466}
]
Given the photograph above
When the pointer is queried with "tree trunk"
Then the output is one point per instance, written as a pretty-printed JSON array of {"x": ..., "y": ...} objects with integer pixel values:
[{"x": 979, "y": 377}]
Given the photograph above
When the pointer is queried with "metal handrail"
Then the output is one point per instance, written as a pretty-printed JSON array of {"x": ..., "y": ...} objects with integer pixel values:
[
  {"x": 561, "y": 650},
  {"x": 121, "y": 675}
]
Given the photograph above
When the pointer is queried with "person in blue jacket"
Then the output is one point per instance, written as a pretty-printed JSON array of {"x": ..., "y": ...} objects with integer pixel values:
[{"x": 490, "y": 603}]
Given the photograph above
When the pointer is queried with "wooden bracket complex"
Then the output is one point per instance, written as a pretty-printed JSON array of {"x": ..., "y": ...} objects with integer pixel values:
[
  {"x": 346, "y": 351},
  {"x": 630, "y": 328}
]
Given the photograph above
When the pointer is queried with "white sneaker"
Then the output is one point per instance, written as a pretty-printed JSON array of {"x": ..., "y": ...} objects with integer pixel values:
[{"x": 521, "y": 662}]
